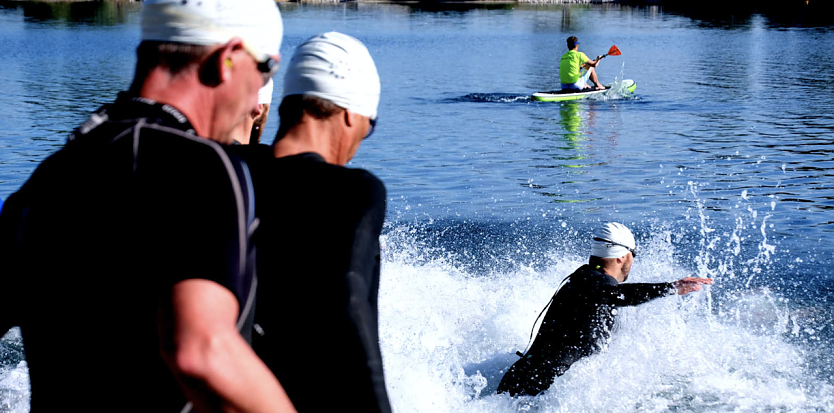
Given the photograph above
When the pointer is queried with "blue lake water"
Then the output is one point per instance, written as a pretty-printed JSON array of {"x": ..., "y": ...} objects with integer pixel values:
[{"x": 722, "y": 162}]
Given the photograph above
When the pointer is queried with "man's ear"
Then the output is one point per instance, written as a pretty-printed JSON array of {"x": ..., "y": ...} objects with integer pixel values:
[
  {"x": 219, "y": 66},
  {"x": 348, "y": 118},
  {"x": 227, "y": 55},
  {"x": 258, "y": 111}
]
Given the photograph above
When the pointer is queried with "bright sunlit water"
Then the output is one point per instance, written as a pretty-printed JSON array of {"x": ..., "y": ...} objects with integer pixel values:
[{"x": 722, "y": 163}]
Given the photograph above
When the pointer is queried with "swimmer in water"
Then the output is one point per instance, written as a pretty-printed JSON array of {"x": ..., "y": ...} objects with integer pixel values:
[{"x": 583, "y": 311}]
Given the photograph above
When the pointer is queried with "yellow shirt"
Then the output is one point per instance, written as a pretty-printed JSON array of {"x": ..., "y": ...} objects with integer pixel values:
[{"x": 569, "y": 66}]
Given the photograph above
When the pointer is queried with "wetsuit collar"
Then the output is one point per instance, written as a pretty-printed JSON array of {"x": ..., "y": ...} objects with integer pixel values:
[
  {"x": 166, "y": 114},
  {"x": 599, "y": 269},
  {"x": 128, "y": 106},
  {"x": 309, "y": 156}
]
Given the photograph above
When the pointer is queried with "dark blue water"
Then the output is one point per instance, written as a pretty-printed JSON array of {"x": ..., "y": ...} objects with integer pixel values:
[{"x": 722, "y": 163}]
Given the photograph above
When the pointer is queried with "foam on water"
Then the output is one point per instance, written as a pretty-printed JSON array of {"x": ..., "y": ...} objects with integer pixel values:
[
  {"x": 493, "y": 97},
  {"x": 454, "y": 311},
  {"x": 448, "y": 332},
  {"x": 14, "y": 378},
  {"x": 618, "y": 90}
]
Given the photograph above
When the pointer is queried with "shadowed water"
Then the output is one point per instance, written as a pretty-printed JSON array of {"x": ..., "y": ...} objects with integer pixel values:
[{"x": 722, "y": 162}]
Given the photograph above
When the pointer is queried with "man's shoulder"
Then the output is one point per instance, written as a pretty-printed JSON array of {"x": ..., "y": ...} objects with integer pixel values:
[
  {"x": 141, "y": 129},
  {"x": 319, "y": 190},
  {"x": 309, "y": 172},
  {"x": 591, "y": 277},
  {"x": 112, "y": 160},
  {"x": 356, "y": 185}
]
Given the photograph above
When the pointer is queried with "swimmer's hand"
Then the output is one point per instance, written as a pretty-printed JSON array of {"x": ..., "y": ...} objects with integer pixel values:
[{"x": 690, "y": 284}]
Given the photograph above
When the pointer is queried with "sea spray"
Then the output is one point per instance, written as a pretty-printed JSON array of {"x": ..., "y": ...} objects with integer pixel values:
[
  {"x": 449, "y": 329},
  {"x": 14, "y": 374}
]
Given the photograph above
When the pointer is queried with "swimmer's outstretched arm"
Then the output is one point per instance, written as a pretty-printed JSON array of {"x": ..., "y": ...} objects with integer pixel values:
[
  {"x": 621, "y": 295},
  {"x": 690, "y": 284},
  {"x": 638, "y": 293}
]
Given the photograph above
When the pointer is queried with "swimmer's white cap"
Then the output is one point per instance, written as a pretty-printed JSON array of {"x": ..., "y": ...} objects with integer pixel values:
[
  {"x": 338, "y": 68},
  {"x": 265, "y": 93},
  {"x": 606, "y": 240},
  {"x": 210, "y": 22}
]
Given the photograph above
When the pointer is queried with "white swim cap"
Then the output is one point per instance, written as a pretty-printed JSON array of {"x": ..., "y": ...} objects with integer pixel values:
[
  {"x": 335, "y": 67},
  {"x": 612, "y": 240},
  {"x": 210, "y": 22},
  {"x": 265, "y": 93}
]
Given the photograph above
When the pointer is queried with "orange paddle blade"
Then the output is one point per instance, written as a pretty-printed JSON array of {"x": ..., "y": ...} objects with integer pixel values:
[{"x": 613, "y": 51}]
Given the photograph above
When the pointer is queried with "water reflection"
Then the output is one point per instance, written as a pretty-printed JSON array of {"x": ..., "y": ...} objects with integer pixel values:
[
  {"x": 575, "y": 127},
  {"x": 697, "y": 118},
  {"x": 63, "y": 60},
  {"x": 738, "y": 15},
  {"x": 564, "y": 151}
]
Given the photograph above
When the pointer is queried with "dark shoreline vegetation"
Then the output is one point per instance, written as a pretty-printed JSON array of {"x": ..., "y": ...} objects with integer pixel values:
[
  {"x": 707, "y": 13},
  {"x": 102, "y": 13},
  {"x": 715, "y": 13}
]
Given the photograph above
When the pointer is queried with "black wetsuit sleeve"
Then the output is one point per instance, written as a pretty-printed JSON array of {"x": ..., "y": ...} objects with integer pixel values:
[
  {"x": 13, "y": 276},
  {"x": 363, "y": 288},
  {"x": 10, "y": 221},
  {"x": 634, "y": 294}
]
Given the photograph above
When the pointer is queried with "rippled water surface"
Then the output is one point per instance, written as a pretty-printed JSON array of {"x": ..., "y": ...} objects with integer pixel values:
[{"x": 722, "y": 162}]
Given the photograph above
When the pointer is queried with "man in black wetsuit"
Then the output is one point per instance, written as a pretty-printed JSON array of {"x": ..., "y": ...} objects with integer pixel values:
[
  {"x": 318, "y": 242},
  {"x": 127, "y": 261},
  {"x": 583, "y": 311}
]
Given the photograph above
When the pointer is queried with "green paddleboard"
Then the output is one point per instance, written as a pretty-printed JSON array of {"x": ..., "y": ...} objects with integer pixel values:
[{"x": 558, "y": 96}]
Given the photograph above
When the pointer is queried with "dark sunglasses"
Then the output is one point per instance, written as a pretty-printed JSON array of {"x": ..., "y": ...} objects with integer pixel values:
[
  {"x": 268, "y": 68},
  {"x": 633, "y": 251},
  {"x": 371, "y": 130},
  {"x": 266, "y": 64}
]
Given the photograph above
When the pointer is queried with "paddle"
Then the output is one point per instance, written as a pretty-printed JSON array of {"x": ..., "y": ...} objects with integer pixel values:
[{"x": 613, "y": 51}]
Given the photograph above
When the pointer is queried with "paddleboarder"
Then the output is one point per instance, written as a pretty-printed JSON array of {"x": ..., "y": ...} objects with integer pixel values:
[
  {"x": 571, "y": 65},
  {"x": 582, "y": 313}
]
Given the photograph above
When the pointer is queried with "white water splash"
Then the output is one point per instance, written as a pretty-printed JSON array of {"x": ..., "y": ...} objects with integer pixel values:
[
  {"x": 14, "y": 380},
  {"x": 448, "y": 336},
  {"x": 618, "y": 89}
]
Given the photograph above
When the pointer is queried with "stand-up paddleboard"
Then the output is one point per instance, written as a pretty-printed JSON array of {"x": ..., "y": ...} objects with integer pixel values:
[{"x": 561, "y": 95}]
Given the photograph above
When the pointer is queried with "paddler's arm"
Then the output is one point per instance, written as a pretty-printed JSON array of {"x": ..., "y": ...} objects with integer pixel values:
[
  {"x": 592, "y": 63},
  {"x": 214, "y": 365}
]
